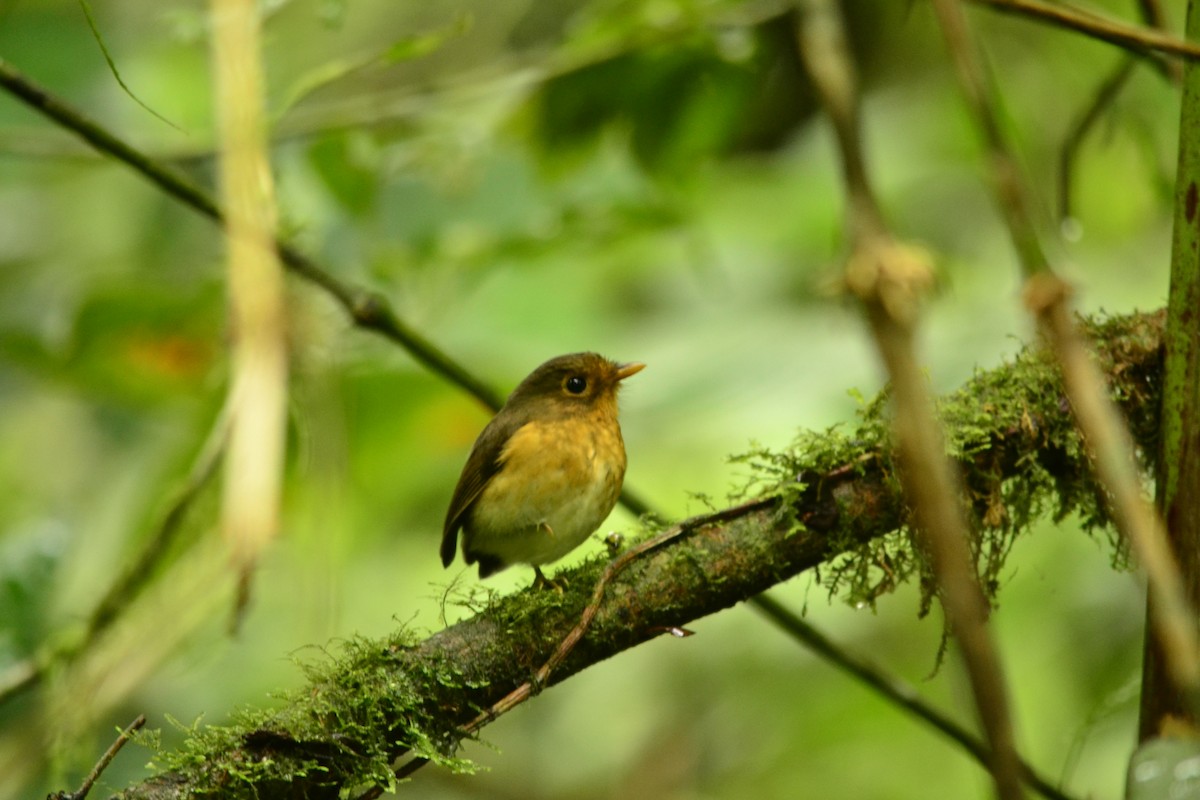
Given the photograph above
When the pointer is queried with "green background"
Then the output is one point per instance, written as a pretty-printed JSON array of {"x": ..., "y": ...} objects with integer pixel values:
[{"x": 523, "y": 179}]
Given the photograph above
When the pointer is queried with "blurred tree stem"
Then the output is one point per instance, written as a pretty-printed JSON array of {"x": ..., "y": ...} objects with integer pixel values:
[
  {"x": 890, "y": 280},
  {"x": 253, "y": 477},
  {"x": 1109, "y": 443},
  {"x": 1178, "y": 476}
]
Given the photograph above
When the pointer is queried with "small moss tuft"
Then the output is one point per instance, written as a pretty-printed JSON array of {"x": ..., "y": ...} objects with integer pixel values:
[
  {"x": 1012, "y": 436},
  {"x": 344, "y": 729}
]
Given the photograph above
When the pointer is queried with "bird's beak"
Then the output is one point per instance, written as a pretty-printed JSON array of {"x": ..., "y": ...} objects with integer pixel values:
[{"x": 625, "y": 370}]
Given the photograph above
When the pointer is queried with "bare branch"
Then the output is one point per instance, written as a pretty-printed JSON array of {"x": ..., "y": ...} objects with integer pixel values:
[
  {"x": 82, "y": 792},
  {"x": 895, "y": 690},
  {"x": 1144, "y": 42},
  {"x": 368, "y": 310}
]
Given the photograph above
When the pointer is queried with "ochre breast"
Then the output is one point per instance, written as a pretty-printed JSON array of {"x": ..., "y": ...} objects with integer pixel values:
[{"x": 557, "y": 482}]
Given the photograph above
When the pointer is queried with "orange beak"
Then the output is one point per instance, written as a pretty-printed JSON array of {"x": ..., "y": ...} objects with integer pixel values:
[{"x": 625, "y": 370}]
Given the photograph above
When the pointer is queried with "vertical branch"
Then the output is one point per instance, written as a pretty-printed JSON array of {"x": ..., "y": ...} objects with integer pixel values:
[
  {"x": 889, "y": 279},
  {"x": 1105, "y": 435},
  {"x": 1152, "y": 14},
  {"x": 258, "y": 389},
  {"x": 1179, "y": 442}
]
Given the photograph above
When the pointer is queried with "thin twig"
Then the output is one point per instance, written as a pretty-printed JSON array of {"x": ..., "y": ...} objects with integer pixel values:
[
  {"x": 535, "y": 684},
  {"x": 889, "y": 279},
  {"x": 1108, "y": 442},
  {"x": 613, "y": 568},
  {"x": 1106, "y": 93},
  {"x": 893, "y": 689},
  {"x": 103, "y": 763},
  {"x": 112, "y": 64},
  {"x": 368, "y": 310},
  {"x": 1152, "y": 16},
  {"x": 1138, "y": 40}
]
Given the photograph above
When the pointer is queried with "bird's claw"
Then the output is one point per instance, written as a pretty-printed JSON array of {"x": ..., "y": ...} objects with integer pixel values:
[{"x": 542, "y": 582}]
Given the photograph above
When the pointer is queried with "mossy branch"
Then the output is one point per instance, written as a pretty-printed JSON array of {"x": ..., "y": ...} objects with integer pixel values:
[
  {"x": 890, "y": 279},
  {"x": 837, "y": 506}
]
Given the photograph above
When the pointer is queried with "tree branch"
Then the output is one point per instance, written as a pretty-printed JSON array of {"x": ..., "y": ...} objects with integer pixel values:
[
  {"x": 383, "y": 699},
  {"x": 1109, "y": 445},
  {"x": 890, "y": 280},
  {"x": 368, "y": 310},
  {"x": 896, "y": 690},
  {"x": 1178, "y": 475},
  {"x": 1141, "y": 41}
]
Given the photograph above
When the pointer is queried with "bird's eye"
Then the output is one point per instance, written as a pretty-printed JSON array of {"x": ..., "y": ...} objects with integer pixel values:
[{"x": 576, "y": 384}]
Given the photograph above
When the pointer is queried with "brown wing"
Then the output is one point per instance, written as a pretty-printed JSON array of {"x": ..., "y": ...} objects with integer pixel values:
[{"x": 482, "y": 464}]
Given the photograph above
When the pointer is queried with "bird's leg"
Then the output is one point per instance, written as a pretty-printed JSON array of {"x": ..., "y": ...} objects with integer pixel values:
[
  {"x": 545, "y": 526},
  {"x": 542, "y": 582}
]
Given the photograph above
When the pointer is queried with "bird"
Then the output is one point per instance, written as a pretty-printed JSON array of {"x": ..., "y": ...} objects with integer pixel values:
[{"x": 545, "y": 471}]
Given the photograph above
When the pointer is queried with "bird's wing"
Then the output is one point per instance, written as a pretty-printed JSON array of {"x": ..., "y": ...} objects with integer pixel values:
[{"x": 483, "y": 463}]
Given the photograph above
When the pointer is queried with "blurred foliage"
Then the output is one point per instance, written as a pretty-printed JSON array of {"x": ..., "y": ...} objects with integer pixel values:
[{"x": 645, "y": 178}]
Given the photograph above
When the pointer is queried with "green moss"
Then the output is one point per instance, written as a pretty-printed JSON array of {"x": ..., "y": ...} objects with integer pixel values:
[
  {"x": 1011, "y": 433},
  {"x": 343, "y": 729}
]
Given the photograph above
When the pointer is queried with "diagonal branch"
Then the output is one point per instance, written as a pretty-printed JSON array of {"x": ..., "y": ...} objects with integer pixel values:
[
  {"x": 368, "y": 310},
  {"x": 890, "y": 279},
  {"x": 895, "y": 690},
  {"x": 1142, "y": 41}
]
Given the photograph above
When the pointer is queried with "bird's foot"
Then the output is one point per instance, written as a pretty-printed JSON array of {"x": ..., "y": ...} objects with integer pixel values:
[{"x": 542, "y": 582}]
